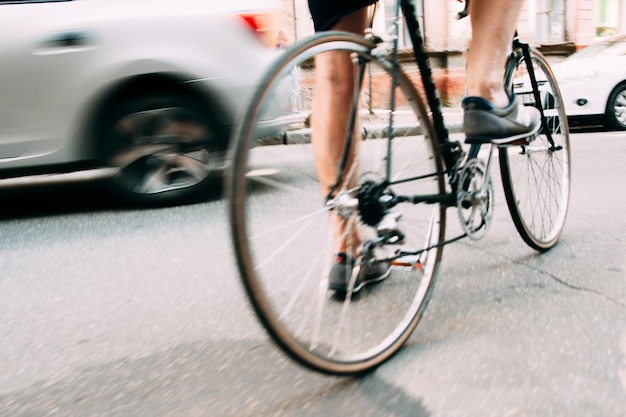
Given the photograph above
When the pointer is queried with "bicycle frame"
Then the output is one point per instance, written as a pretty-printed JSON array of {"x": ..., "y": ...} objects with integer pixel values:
[
  {"x": 452, "y": 153},
  {"x": 525, "y": 48},
  {"x": 451, "y": 150}
]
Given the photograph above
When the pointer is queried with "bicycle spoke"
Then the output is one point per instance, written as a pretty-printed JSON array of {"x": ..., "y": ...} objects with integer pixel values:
[
  {"x": 287, "y": 236},
  {"x": 536, "y": 180}
]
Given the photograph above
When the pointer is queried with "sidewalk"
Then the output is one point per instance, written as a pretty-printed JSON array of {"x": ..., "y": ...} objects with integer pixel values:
[{"x": 377, "y": 128}]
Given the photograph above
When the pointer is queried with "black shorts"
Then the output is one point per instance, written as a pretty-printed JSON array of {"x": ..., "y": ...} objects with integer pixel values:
[{"x": 326, "y": 13}]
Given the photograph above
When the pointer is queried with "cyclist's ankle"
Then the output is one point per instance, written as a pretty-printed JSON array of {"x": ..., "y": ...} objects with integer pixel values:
[{"x": 497, "y": 97}]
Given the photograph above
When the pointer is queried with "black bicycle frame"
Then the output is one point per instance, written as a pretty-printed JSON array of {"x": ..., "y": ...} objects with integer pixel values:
[
  {"x": 451, "y": 151},
  {"x": 421, "y": 59},
  {"x": 525, "y": 48}
]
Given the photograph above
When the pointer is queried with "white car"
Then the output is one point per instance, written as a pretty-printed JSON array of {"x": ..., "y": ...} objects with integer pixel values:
[
  {"x": 593, "y": 81},
  {"x": 149, "y": 87}
]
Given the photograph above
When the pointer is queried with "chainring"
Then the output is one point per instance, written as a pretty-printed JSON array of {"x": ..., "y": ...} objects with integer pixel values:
[{"x": 475, "y": 199}]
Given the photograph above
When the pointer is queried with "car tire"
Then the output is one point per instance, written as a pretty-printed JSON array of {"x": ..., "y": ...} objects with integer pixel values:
[
  {"x": 165, "y": 147},
  {"x": 616, "y": 108}
]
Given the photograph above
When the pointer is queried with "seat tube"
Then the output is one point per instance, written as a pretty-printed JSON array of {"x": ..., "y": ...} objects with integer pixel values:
[{"x": 421, "y": 59}]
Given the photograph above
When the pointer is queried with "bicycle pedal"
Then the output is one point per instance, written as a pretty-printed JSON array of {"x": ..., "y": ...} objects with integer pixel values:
[
  {"x": 409, "y": 261},
  {"x": 521, "y": 142}
]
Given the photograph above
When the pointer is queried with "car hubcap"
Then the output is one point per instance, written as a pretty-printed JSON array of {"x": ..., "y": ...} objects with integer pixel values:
[
  {"x": 619, "y": 108},
  {"x": 162, "y": 150}
]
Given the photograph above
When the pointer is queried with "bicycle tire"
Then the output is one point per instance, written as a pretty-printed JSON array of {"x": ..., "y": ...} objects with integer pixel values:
[
  {"x": 280, "y": 222},
  {"x": 536, "y": 177}
]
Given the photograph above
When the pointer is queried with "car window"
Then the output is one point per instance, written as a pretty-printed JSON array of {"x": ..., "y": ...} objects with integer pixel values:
[{"x": 601, "y": 49}]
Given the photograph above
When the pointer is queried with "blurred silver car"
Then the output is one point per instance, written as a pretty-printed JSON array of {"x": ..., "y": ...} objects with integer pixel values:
[
  {"x": 593, "y": 82},
  {"x": 148, "y": 87}
]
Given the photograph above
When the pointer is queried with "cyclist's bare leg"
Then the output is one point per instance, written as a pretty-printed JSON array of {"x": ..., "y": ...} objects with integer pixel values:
[
  {"x": 493, "y": 27},
  {"x": 490, "y": 115},
  {"x": 331, "y": 109}
]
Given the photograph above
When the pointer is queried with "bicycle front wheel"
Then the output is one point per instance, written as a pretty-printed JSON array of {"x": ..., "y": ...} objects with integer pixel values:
[
  {"x": 536, "y": 176},
  {"x": 282, "y": 226}
]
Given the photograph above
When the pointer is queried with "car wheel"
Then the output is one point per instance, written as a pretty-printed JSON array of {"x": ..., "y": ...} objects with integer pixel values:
[
  {"x": 165, "y": 148},
  {"x": 616, "y": 108}
]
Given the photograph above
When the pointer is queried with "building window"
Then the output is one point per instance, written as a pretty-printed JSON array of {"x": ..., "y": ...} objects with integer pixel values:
[
  {"x": 609, "y": 17},
  {"x": 550, "y": 16}
]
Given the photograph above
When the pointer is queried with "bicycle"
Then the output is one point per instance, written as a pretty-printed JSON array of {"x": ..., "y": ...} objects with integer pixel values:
[{"x": 411, "y": 175}]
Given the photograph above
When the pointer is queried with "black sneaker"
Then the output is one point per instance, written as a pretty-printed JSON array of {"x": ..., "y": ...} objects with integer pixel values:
[
  {"x": 369, "y": 272},
  {"x": 485, "y": 123}
]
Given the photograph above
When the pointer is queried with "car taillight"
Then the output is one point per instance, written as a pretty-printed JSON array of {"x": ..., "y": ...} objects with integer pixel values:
[{"x": 264, "y": 24}]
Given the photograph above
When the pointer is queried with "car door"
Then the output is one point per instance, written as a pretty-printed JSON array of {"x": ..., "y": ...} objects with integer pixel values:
[{"x": 43, "y": 45}]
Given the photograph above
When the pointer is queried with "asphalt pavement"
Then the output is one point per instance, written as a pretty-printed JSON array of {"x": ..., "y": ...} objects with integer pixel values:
[{"x": 111, "y": 311}]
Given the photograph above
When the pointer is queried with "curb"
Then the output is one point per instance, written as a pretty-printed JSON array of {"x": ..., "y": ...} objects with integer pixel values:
[{"x": 302, "y": 136}]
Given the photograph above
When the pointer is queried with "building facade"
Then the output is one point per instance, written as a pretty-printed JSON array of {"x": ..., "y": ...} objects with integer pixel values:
[
  {"x": 543, "y": 22},
  {"x": 556, "y": 27}
]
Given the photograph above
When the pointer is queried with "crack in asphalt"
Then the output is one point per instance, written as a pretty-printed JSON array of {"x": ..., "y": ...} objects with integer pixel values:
[
  {"x": 555, "y": 278},
  {"x": 572, "y": 286}
]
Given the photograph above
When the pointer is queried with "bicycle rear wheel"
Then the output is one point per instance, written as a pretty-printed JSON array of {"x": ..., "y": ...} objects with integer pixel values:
[
  {"x": 536, "y": 176},
  {"x": 281, "y": 224}
]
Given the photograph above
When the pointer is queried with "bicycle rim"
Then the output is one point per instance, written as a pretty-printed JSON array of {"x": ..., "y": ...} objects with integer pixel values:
[
  {"x": 280, "y": 221},
  {"x": 536, "y": 177}
]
